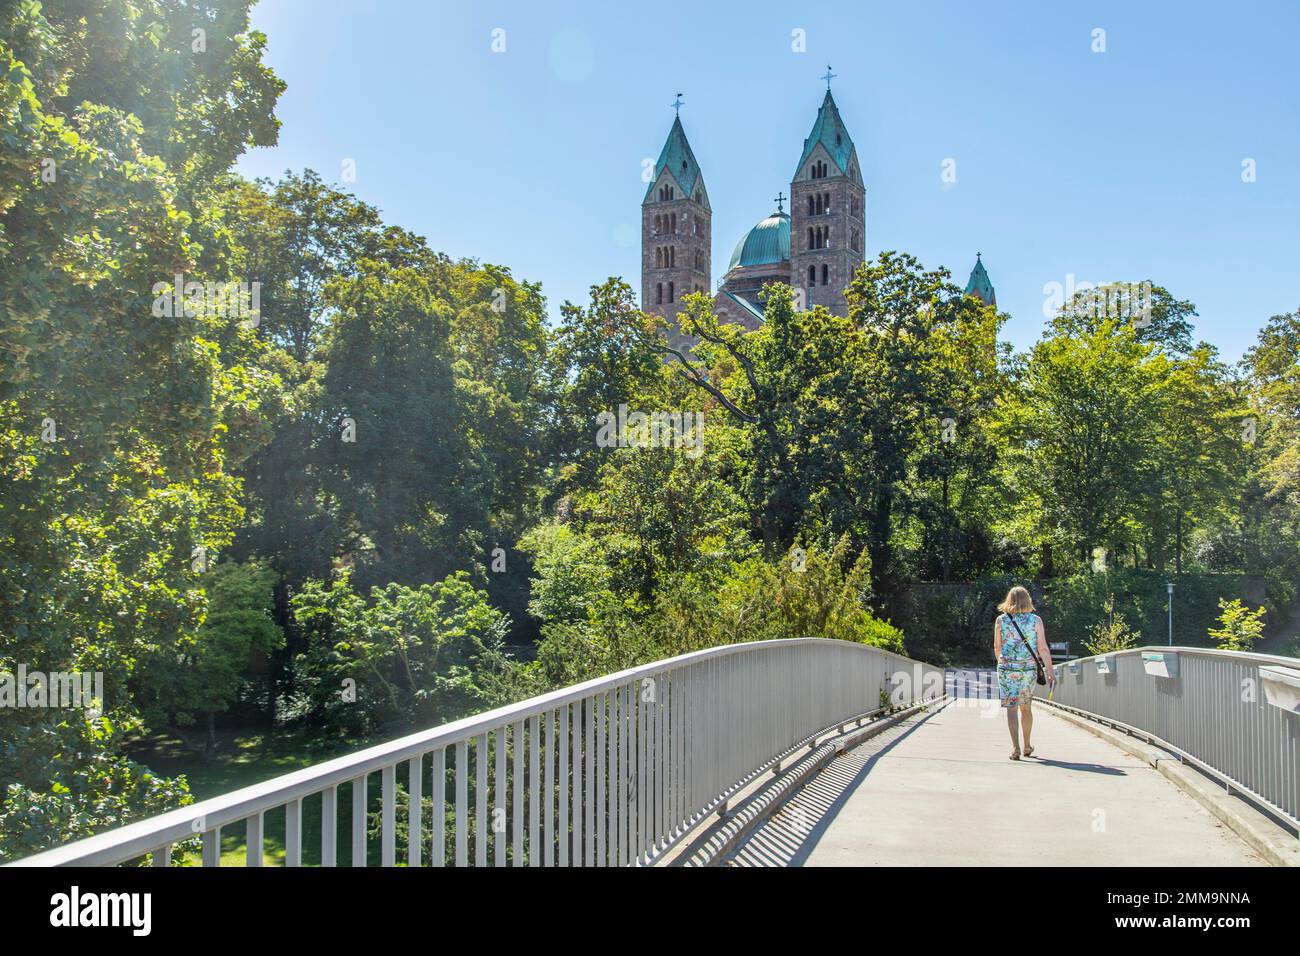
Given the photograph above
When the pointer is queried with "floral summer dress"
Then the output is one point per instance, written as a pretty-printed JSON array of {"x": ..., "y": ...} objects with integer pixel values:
[{"x": 1016, "y": 672}]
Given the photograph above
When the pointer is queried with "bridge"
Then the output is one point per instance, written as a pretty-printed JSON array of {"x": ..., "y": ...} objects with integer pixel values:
[{"x": 794, "y": 752}]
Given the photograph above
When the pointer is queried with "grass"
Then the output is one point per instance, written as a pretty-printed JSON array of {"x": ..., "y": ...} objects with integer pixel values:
[{"x": 241, "y": 760}]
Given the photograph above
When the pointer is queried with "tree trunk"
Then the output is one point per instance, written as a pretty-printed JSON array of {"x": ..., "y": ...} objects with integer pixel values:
[
  {"x": 1178, "y": 543},
  {"x": 947, "y": 533}
]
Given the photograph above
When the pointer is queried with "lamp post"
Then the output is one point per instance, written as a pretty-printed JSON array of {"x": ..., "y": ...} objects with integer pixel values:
[{"x": 1170, "y": 586}]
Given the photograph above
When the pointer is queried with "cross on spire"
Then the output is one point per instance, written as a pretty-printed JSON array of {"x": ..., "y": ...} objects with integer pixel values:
[
  {"x": 677, "y": 104},
  {"x": 828, "y": 77},
  {"x": 780, "y": 200}
]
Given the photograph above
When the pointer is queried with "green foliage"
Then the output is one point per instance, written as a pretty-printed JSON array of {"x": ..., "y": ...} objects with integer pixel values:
[
  {"x": 836, "y": 412},
  {"x": 205, "y": 674},
  {"x": 66, "y": 778},
  {"x": 1077, "y": 432},
  {"x": 806, "y": 593},
  {"x": 115, "y": 418},
  {"x": 952, "y": 625},
  {"x": 1111, "y": 634},
  {"x": 401, "y": 658},
  {"x": 1239, "y": 627},
  {"x": 1076, "y": 606},
  {"x": 572, "y": 581}
]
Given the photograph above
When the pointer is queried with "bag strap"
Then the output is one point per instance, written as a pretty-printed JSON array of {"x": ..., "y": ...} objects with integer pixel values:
[{"x": 1037, "y": 659}]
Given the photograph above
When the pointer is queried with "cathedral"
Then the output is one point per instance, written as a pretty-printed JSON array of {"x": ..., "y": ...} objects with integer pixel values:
[{"x": 815, "y": 247}]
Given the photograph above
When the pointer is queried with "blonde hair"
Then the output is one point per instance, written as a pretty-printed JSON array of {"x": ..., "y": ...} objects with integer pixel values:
[{"x": 1017, "y": 601}]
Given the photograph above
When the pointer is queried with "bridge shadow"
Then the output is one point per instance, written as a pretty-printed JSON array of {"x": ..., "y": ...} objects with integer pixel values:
[{"x": 789, "y": 837}]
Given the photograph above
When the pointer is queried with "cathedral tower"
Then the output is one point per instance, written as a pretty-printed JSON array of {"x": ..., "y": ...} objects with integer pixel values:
[
  {"x": 676, "y": 229},
  {"x": 980, "y": 285},
  {"x": 828, "y": 216}
]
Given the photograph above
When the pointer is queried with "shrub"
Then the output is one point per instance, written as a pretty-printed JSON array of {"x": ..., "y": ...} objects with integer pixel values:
[
  {"x": 1112, "y": 634},
  {"x": 1239, "y": 627}
]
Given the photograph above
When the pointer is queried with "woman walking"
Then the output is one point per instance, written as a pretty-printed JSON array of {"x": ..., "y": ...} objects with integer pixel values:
[{"x": 1020, "y": 645}]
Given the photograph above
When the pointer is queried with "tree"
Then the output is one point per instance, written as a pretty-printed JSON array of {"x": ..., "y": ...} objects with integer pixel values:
[
  {"x": 204, "y": 675},
  {"x": 1196, "y": 455},
  {"x": 1113, "y": 633},
  {"x": 834, "y": 407},
  {"x": 952, "y": 491},
  {"x": 1268, "y": 533},
  {"x": 404, "y": 657},
  {"x": 603, "y": 356},
  {"x": 1079, "y": 430},
  {"x": 1154, "y": 315},
  {"x": 1239, "y": 627},
  {"x": 294, "y": 237},
  {"x": 120, "y": 410}
]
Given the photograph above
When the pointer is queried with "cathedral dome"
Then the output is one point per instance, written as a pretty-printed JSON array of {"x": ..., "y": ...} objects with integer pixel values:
[{"x": 766, "y": 243}]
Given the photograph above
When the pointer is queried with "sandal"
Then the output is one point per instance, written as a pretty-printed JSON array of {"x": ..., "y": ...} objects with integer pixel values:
[
  {"x": 1029, "y": 751},
  {"x": 1015, "y": 754}
]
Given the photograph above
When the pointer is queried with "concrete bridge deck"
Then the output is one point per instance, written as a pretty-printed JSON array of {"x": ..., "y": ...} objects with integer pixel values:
[{"x": 938, "y": 789}]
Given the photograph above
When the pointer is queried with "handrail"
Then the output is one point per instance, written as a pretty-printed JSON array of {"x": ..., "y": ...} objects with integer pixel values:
[
  {"x": 654, "y": 746},
  {"x": 1207, "y": 706}
]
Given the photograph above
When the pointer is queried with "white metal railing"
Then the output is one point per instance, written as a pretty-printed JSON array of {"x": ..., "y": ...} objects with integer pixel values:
[
  {"x": 971, "y": 683},
  {"x": 1211, "y": 710},
  {"x": 608, "y": 772}
]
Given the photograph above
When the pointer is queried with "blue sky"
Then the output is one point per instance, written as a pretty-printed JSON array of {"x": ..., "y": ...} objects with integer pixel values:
[{"x": 1119, "y": 165}]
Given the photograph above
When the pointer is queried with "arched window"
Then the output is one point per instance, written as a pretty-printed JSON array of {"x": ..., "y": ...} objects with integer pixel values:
[
  {"x": 659, "y": 293},
  {"x": 672, "y": 257},
  {"x": 812, "y": 275},
  {"x": 810, "y": 204},
  {"x": 826, "y": 272},
  {"x": 810, "y": 237},
  {"x": 672, "y": 223},
  {"x": 670, "y": 292},
  {"x": 670, "y": 192}
]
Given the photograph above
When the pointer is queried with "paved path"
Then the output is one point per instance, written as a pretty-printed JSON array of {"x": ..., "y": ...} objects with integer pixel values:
[{"x": 938, "y": 789}]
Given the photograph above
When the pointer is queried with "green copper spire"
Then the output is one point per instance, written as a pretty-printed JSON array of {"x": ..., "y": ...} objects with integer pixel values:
[
  {"x": 829, "y": 130},
  {"x": 676, "y": 157},
  {"x": 980, "y": 286}
]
